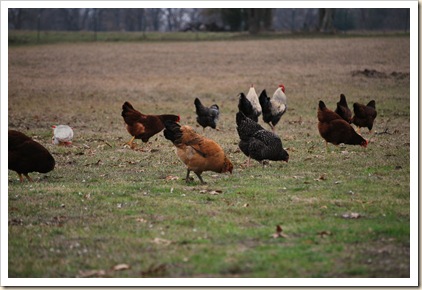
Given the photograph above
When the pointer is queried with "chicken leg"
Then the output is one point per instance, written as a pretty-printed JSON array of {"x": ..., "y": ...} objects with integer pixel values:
[
  {"x": 26, "y": 175},
  {"x": 200, "y": 178},
  {"x": 130, "y": 143}
]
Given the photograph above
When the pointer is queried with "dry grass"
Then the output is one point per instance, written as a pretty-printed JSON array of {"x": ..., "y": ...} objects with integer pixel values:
[{"x": 84, "y": 85}]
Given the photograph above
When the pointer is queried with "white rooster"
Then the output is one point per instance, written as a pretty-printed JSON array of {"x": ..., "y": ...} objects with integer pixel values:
[
  {"x": 63, "y": 135},
  {"x": 273, "y": 108}
]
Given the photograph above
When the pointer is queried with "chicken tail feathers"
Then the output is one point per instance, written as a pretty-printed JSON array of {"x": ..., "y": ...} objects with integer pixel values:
[
  {"x": 371, "y": 104},
  {"x": 172, "y": 131},
  {"x": 322, "y": 105},
  {"x": 127, "y": 107}
]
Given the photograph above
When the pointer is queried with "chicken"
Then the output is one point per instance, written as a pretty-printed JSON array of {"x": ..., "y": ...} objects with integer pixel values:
[
  {"x": 258, "y": 143},
  {"x": 197, "y": 152},
  {"x": 273, "y": 108},
  {"x": 343, "y": 109},
  {"x": 27, "y": 155},
  {"x": 142, "y": 126},
  {"x": 249, "y": 104},
  {"x": 364, "y": 115},
  {"x": 63, "y": 135},
  {"x": 207, "y": 117},
  {"x": 335, "y": 130}
]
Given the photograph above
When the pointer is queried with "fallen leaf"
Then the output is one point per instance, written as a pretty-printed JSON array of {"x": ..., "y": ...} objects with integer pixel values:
[
  {"x": 155, "y": 270},
  {"x": 121, "y": 267},
  {"x": 246, "y": 205},
  {"x": 171, "y": 177},
  {"x": 353, "y": 215},
  {"x": 160, "y": 241},
  {"x": 279, "y": 233},
  {"x": 91, "y": 273},
  {"x": 324, "y": 234}
]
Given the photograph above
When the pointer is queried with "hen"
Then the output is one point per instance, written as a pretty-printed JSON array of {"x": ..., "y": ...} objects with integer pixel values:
[
  {"x": 207, "y": 117},
  {"x": 197, "y": 152},
  {"x": 63, "y": 135},
  {"x": 249, "y": 104},
  {"x": 273, "y": 108},
  {"x": 343, "y": 109},
  {"x": 364, "y": 115},
  {"x": 27, "y": 155},
  {"x": 335, "y": 130},
  {"x": 142, "y": 126},
  {"x": 258, "y": 143}
]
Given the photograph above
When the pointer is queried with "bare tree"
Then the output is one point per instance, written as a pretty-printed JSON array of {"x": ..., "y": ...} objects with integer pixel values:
[{"x": 326, "y": 17}]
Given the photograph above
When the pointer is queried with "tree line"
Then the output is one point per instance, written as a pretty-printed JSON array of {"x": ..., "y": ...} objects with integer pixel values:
[{"x": 253, "y": 20}]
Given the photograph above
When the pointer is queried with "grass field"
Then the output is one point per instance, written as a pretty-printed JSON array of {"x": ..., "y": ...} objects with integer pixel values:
[{"x": 109, "y": 211}]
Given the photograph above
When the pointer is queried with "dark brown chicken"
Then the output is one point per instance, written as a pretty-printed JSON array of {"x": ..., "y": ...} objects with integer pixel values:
[
  {"x": 197, "y": 152},
  {"x": 142, "y": 126},
  {"x": 27, "y": 155},
  {"x": 364, "y": 115},
  {"x": 343, "y": 109},
  {"x": 335, "y": 130}
]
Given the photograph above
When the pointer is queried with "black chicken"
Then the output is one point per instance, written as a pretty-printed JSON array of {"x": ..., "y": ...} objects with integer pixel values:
[
  {"x": 27, "y": 155},
  {"x": 258, "y": 143},
  {"x": 343, "y": 109},
  {"x": 207, "y": 117}
]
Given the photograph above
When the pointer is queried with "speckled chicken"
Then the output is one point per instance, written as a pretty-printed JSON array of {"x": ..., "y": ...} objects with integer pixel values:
[
  {"x": 364, "y": 115},
  {"x": 258, "y": 143},
  {"x": 207, "y": 117},
  {"x": 343, "y": 110},
  {"x": 27, "y": 155}
]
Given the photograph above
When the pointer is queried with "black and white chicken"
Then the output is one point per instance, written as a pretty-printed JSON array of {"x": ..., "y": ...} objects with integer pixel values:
[
  {"x": 249, "y": 105},
  {"x": 273, "y": 108}
]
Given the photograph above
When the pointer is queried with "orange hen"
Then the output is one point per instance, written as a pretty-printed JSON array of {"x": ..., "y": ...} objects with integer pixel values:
[{"x": 197, "y": 152}]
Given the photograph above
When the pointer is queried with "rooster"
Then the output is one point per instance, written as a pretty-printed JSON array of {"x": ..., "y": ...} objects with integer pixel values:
[
  {"x": 258, "y": 143},
  {"x": 335, "y": 130},
  {"x": 207, "y": 117},
  {"x": 249, "y": 104},
  {"x": 343, "y": 109},
  {"x": 273, "y": 108},
  {"x": 364, "y": 115},
  {"x": 142, "y": 126},
  {"x": 197, "y": 152},
  {"x": 27, "y": 155}
]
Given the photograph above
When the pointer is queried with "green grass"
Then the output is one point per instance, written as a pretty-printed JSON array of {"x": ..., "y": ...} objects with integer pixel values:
[{"x": 105, "y": 204}]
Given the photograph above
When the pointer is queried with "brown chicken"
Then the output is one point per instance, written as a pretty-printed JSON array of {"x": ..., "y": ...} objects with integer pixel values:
[
  {"x": 197, "y": 152},
  {"x": 142, "y": 126},
  {"x": 364, "y": 115},
  {"x": 343, "y": 109},
  {"x": 335, "y": 130},
  {"x": 27, "y": 155}
]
